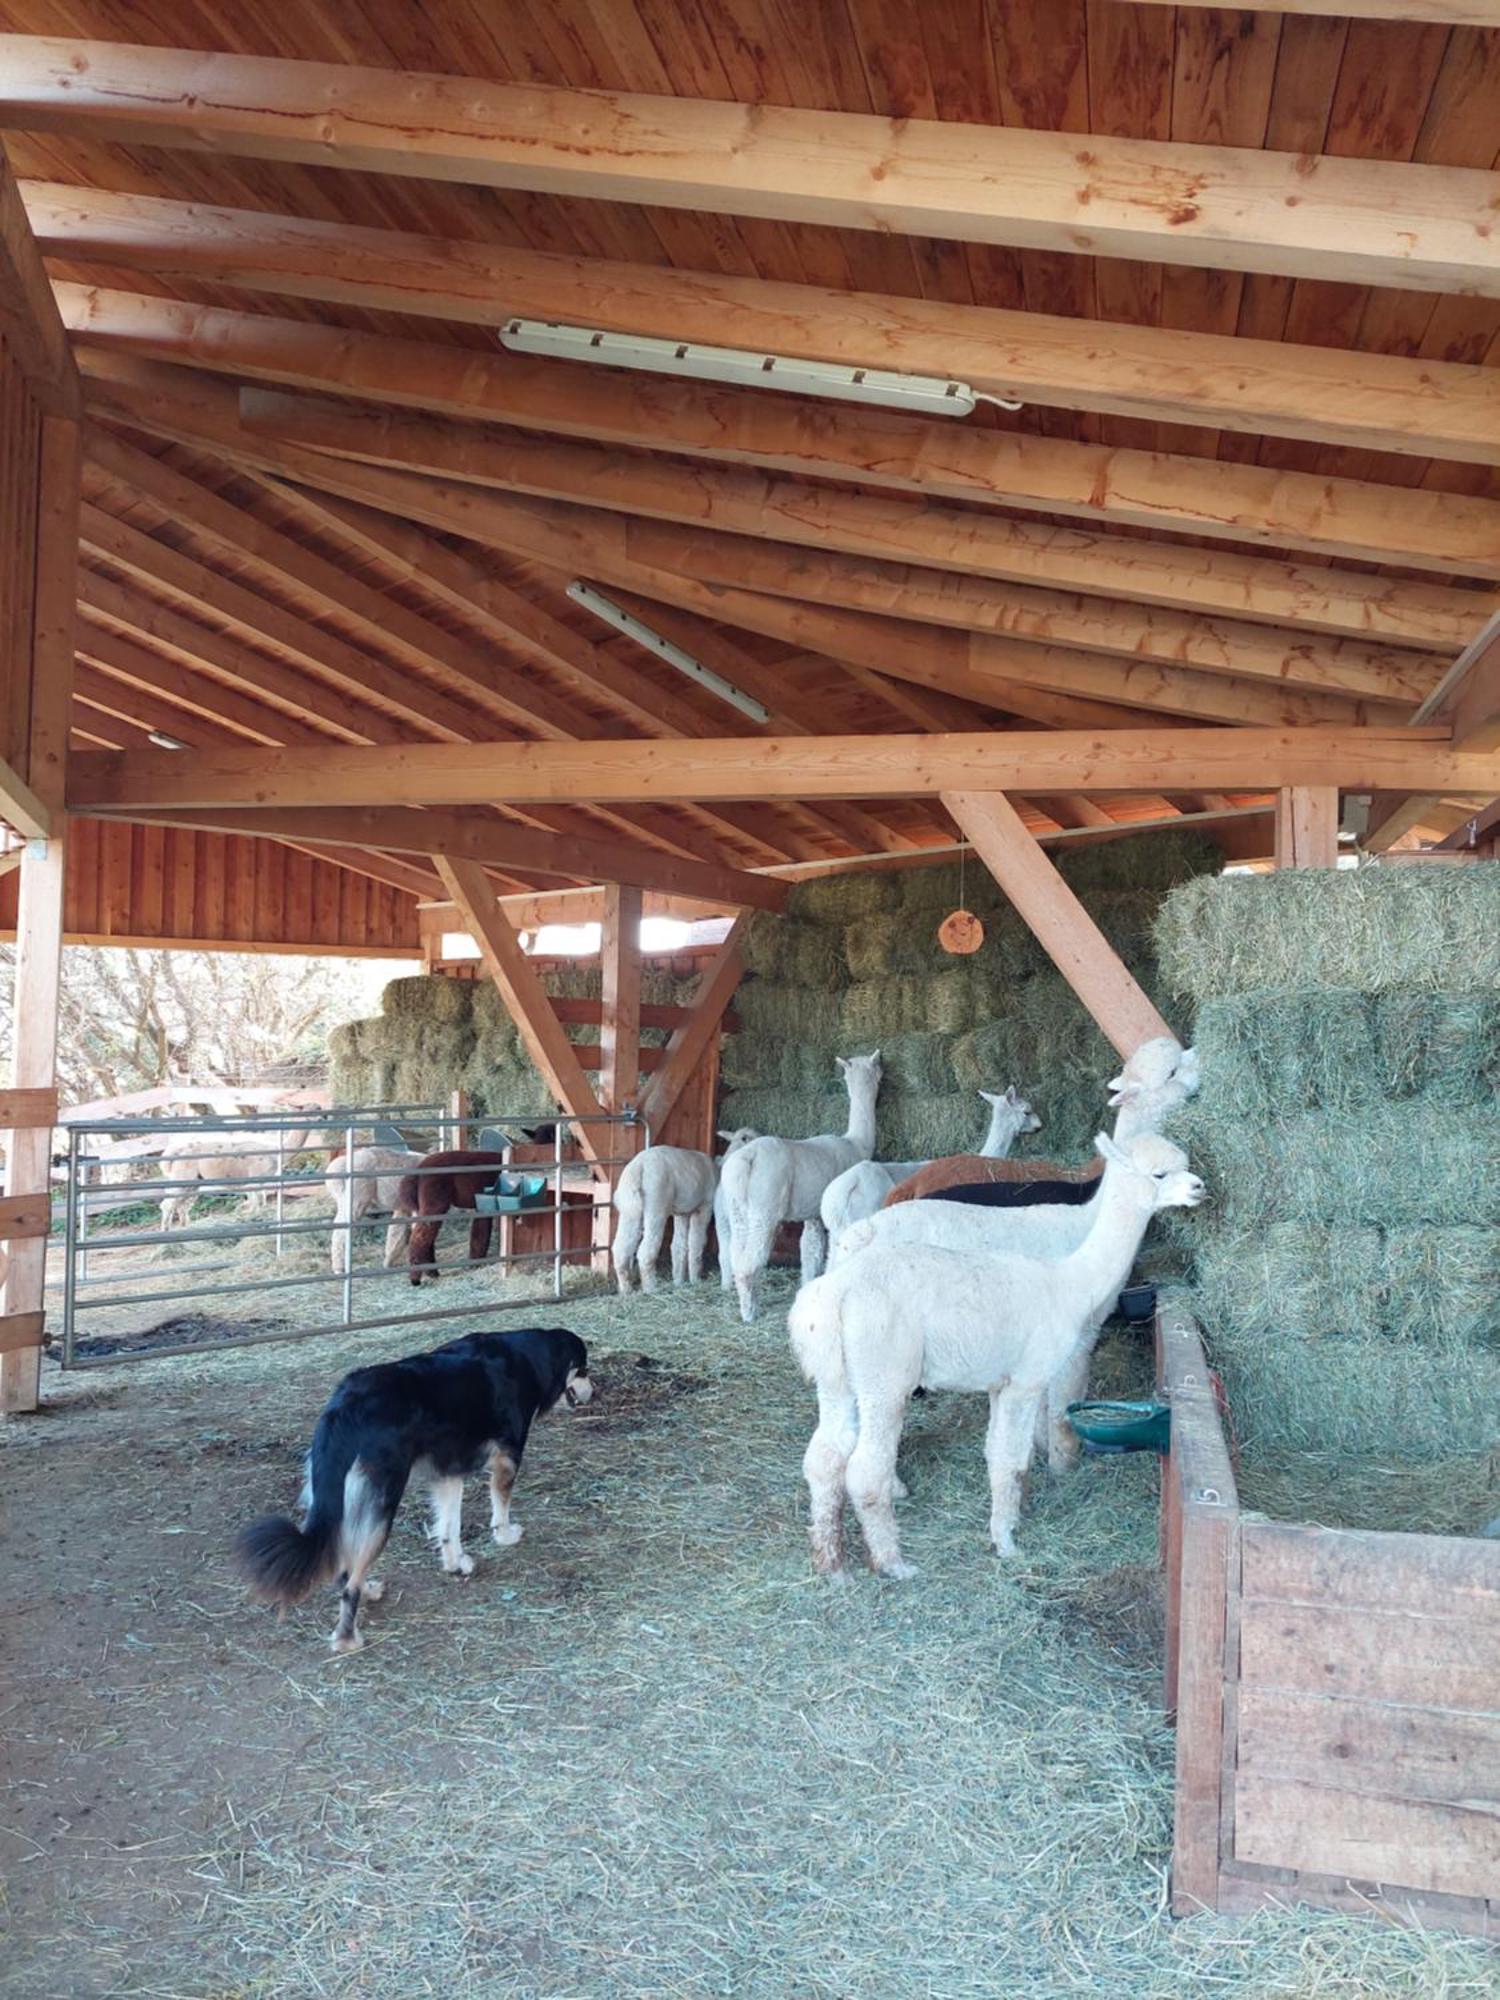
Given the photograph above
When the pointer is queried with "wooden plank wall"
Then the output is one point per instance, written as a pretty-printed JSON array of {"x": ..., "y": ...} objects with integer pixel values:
[
  {"x": 152, "y": 884},
  {"x": 1368, "y": 1733},
  {"x": 20, "y": 479}
]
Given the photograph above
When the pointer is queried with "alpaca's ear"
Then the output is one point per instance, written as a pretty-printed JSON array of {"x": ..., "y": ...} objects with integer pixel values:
[
  {"x": 1111, "y": 1151},
  {"x": 1121, "y": 1092},
  {"x": 843, "y": 1066},
  {"x": 874, "y": 1055},
  {"x": 1012, "y": 1095},
  {"x": 727, "y": 1137}
]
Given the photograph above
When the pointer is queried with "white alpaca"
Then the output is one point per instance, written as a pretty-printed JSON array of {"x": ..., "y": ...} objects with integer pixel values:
[
  {"x": 675, "y": 1184},
  {"x": 1157, "y": 1081},
  {"x": 860, "y": 1190},
  {"x": 368, "y": 1185},
  {"x": 223, "y": 1156},
  {"x": 888, "y": 1321},
  {"x": 772, "y": 1181}
]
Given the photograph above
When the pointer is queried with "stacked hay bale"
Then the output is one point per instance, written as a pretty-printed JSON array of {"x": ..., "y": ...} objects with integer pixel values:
[
  {"x": 434, "y": 1035},
  {"x": 854, "y": 962},
  {"x": 1348, "y": 1270}
]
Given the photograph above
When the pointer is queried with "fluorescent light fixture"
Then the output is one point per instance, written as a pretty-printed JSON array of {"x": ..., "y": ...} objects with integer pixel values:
[
  {"x": 164, "y": 742},
  {"x": 612, "y": 614},
  {"x": 932, "y": 395}
]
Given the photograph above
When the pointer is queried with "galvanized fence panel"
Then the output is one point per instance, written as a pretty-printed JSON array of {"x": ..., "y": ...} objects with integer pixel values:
[{"x": 108, "y": 1274}]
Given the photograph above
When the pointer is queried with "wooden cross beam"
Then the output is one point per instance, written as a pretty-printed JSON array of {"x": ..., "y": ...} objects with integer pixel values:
[
  {"x": 685, "y": 1049},
  {"x": 1446, "y": 409},
  {"x": 29, "y": 321},
  {"x": 1063, "y": 927},
  {"x": 1356, "y": 221},
  {"x": 1307, "y": 827},
  {"x": 525, "y": 999},
  {"x": 839, "y": 767}
]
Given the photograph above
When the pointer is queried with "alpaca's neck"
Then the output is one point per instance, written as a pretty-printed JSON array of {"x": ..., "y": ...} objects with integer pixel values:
[
  {"x": 861, "y": 1129},
  {"x": 1148, "y": 1111},
  {"x": 1101, "y": 1263},
  {"x": 1005, "y": 1122}
]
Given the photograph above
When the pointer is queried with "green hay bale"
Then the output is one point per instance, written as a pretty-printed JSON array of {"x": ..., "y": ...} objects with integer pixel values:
[
  {"x": 431, "y": 997},
  {"x": 786, "y": 1013},
  {"x": 989, "y": 1058},
  {"x": 1355, "y": 1398},
  {"x": 813, "y": 957},
  {"x": 877, "y": 1007},
  {"x": 839, "y": 900},
  {"x": 917, "y": 1064},
  {"x": 1442, "y": 1286},
  {"x": 955, "y": 1000},
  {"x": 1409, "y": 1164},
  {"x": 1147, "y": 861},
  {"x": 880, "y": 947},
  {"x": 762, "y": 943},
  {"x": 1268, "y": 1054},
  {"x": 785, "y": 1114},
  {"x": 1374, "y": 929},
  {"x": 926, "y": 1128},
  {"x": 750, "y": 1062},
  {"x": 1443, "y": 1048}
]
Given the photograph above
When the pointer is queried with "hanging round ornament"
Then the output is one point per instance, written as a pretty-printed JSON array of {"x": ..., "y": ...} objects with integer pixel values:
[{"x": 961, "y": 933}]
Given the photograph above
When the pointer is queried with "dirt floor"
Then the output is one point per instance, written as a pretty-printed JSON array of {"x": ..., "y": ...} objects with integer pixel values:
[{"x": 645, "y": 1752}]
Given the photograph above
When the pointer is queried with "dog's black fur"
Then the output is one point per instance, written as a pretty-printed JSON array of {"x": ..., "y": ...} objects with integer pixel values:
[
  {"x": 1018, "y": 1194},
  {"x": 446, "y": 1413}
]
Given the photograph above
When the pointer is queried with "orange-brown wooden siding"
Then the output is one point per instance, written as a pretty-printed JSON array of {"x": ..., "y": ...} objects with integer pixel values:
[{"x": 154, "y": 884}]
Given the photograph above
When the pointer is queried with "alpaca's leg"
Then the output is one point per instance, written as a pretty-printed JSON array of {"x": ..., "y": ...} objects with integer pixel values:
[
  {"x": 447, "y": 1526},
  {"x": 679, "y": 1249},
  {"x": 653, "y": 1229},
  {"x": 871, "y": 1477},
  {"x": 823, "y": 1467},
  {"x": 697, "y": 1229},
  {"x": 421, "y": 1248},
  {"x": 1007, "y": 1450},
  {"x": 814, "y": 1251},
  {"x": 396, "y": 1232},
  {"x": 1069, "y": 1385},
  {"x": 725, "y": 1237},
  {"x": 627, "y": 1242},
  {"x": 754, "y": 1235}
]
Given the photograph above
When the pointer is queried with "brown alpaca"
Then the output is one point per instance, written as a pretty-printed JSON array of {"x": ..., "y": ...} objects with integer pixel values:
[
  {"x": 969, "y": 1169},
  {"x": 429, "y": 1195}
]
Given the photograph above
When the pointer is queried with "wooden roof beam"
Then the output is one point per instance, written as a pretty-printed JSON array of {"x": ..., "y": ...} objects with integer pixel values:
[
  {"x": 29, "y": 321},
  {"x": 931, "y": 456},
  {"x": 193, "y": 696},
  {"x": 837, "y": 767},
  {"x": 1469, "y": 698},
  {"x": 1366, "y": 222},
  {"x": 1436, "y": 408}
]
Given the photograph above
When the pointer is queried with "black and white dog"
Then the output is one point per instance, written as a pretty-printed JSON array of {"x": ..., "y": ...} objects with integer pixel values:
[{"x": 441, "y": 1415}]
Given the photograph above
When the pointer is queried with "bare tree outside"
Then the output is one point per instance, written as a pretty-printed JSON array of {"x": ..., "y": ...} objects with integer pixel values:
[{"x": 136, "y": 1019}]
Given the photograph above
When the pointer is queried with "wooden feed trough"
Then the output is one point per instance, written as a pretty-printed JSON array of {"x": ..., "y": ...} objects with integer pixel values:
[{"x": 1337, "y": 1696}]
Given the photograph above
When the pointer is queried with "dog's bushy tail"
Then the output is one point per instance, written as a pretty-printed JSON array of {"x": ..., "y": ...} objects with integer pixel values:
[{"x": 280, "y": 1562}]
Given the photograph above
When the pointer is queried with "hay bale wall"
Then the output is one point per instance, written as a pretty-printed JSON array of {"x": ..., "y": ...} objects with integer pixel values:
[
  {"x": 1347, "y": 1271},
  {"x": 434, "y": 1035},
  {"x": 854, "y": 962}
]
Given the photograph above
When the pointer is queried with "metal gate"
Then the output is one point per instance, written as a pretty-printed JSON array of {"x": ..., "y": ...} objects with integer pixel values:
[{"x": 118, "y": 1269}]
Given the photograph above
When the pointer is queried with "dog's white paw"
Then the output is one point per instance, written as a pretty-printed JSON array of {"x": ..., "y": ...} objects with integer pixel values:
[
  {"x": 347, "y": 1642},
  {"x": 509, "y": 1535},
  {"x": 462, "y": 1565}
]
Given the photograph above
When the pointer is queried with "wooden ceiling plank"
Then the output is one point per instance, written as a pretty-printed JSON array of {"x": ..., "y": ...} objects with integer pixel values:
[
  {"x": 749, "y": 516},
  {"x": 1469, "y": 697},
  {"x": 933, "y": 456},
  {"x": 1257, "y": 386},
  {"x": 377, "y": 616},
  {"x": 838, "y": 767},
  {"x": 191, "y": 694},
  {"x": 1371, "y": 222},
  {"x": 1460, "y": 13}
]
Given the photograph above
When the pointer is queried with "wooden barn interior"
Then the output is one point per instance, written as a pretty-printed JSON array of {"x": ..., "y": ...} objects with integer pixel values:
[{"x": 1146, "y": 473}]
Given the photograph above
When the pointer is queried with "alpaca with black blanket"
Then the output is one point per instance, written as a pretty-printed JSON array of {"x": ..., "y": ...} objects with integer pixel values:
[{"x": 443, "y": 1415}]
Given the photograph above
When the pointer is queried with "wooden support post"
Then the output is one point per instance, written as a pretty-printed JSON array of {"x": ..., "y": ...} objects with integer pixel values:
[
  {"x": 522, "y": 991},
  {"x": 1066, "y": 931},
  {"x": 458, "y": 1110},
  {"x": 1307, "y": 826},
  {"x": 39, "y": 925},
  {"x": 686, "y": 1048},
  {"x": 619, "y": 1044}
]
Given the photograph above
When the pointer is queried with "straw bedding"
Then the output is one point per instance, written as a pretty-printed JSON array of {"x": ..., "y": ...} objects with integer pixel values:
[
  {"x": 645, "y": 1753},
  {"x": 1348, "y": 1269}
]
